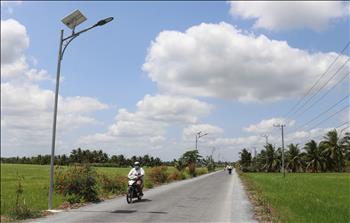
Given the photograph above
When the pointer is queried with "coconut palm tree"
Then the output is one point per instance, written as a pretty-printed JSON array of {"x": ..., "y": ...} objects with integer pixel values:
[
  {"x": 294, "y": 158},
  {"x": 191, "y": 158},
  {"x": 271, "y": 159},
  {"x": 346, "y": 142},
  {"x": 314, "y": 157},
  {"x": 334, "y": 149}
]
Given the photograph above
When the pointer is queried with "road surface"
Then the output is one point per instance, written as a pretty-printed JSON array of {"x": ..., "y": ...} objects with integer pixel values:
[{"x": 215, "y": 197}]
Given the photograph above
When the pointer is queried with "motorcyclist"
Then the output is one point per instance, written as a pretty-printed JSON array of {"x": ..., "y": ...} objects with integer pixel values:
[
  {"x": 229, "y": 168},
  {"x": 138, "y": 172}
]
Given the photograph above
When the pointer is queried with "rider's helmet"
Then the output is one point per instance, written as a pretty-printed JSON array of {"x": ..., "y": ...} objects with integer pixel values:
[{"x": 137, "y": 165}]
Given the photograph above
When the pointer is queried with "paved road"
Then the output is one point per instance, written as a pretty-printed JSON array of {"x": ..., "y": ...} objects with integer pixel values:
[{"x": 215, "y": 197}]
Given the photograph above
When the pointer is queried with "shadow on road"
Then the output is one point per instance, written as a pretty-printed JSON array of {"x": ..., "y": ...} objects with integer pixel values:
[
  {"x": 157, "y": 212},
  {"x": 142, "y": 200},
  {"x": 123, "y": 211}
]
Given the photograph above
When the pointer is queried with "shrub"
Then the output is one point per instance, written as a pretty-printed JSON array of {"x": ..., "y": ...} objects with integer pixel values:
[
  {"x": 211, "y": 167},
  {"x": 21, "y": 210},
  {"x": 148, "y": 184},
  {"x": 201, "y": 171},
  {"x": 184, "y": 175},
  {"x": 158, "y": 175},
  {"x": 180, "y": 165},
  {"x": 174, "y": 176},
  {"x": 78, "y": 183},
  {"x": 114, "y": 184}
]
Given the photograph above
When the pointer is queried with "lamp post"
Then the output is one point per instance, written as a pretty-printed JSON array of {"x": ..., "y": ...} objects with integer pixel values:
[
  {"x": 72, "y": 20},
  {"x": 199, "y": 135}
]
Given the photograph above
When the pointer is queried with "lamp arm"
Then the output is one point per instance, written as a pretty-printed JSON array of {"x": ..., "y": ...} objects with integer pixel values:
[{"x": 73, "y": 36}]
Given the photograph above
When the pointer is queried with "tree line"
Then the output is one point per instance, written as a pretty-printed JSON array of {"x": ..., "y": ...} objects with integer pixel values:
[
  {"x": 95, "y": 157},
  {"x": 331, "y": 154}
]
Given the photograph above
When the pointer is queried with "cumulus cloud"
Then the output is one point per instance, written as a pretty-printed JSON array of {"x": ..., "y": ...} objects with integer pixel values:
[
  {"x": 221, "y": 61},
  {"x": 154, "y": 113},
  {"x": 266, "y": 125},
  {"x": 285, "y": 15},
  {"x": 190, "y": 131},
  {"x": 27, "y": 108},
  {"x": 14, "y": 41}
]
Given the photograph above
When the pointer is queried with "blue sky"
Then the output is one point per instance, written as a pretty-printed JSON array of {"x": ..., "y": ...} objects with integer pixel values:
[{"x": 104, "y": 75}]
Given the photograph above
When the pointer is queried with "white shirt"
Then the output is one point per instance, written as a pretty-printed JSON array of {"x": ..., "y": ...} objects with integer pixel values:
[{"x": 135, "y": 172}]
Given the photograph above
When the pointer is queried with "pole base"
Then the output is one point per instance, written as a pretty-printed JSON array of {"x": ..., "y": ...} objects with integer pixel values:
[{"x": 54, "y": 210}]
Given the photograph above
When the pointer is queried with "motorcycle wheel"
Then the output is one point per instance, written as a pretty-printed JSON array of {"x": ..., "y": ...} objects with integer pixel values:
[
  {"x": 139, "y": 198},
  {"x": 129, "y": 196}
]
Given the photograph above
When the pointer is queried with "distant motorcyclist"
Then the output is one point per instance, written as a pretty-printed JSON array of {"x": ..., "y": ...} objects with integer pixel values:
[
  {"x": 229, "y": 168},
  {"x": 138, "y": 173}
]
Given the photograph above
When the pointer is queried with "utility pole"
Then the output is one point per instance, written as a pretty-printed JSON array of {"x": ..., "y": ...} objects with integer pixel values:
[
  {"x": 282, "y": 127},
  {"x": 266, "y": 136}
]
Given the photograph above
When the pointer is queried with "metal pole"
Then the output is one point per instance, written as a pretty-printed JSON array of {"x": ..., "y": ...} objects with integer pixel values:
[
  {"x": 284, "y": 172},
  {"x": 54, "y": 121},
  {"x": 196, "y": 142}
]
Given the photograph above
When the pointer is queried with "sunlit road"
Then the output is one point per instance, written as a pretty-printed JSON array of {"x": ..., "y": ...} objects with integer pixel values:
[{"x": 216, "y": 197}]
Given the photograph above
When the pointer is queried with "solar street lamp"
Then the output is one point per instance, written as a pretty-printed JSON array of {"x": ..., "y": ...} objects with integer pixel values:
[
  {"x": 71, "y": 21},
  {"x": 199, "y": 135}
]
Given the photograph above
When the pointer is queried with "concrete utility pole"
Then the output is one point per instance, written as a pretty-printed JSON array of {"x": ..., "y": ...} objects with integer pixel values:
[
  {"x": 266, "y": 136},
  {"x": 198, "y": 136},
  {"x": 282, "y": 126}
]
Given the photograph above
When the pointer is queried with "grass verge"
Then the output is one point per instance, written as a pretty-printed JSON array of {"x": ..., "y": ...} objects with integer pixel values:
[{"x": 299, "y": 197}]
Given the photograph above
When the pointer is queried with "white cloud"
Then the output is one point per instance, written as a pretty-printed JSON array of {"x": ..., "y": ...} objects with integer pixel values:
[
  {"x": 266, "y": 125},
  {"x": 218, "y": 60},
  {"x": 301, "y": 137},
  {"x": 148, "y": 125},
  {"x": 26, "y": 108},
  {"x": 285, "y": 15},
  {"x": 173, "y": 108},
  {"x": 14, "y": 41},
  {"x": 155, "y": 112},
  {"x": 213, "y": 131},
  {"x": 8, "y": 5}
]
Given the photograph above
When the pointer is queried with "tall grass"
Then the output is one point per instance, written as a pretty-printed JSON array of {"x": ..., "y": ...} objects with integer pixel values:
[{"x": 304, "y": 197}]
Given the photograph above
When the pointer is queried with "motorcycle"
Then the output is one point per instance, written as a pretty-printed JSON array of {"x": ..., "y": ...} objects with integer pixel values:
[{"x": 133, "y": 191}]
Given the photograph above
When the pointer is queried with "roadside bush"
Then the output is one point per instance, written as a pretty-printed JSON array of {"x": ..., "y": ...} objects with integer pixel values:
[
  {"x": 21, "y": 210},
  {"x": 148, "y": 184},
  {"x": 211, "y": 167},
  {"x": 113, "y": 184},
  {"x": 201, "y": 171},
  {"x": 184, "y": 175},
  {"x": 158, "y": 175},
  {"x": 77, "y": 183},
  {"x": 174, "y": 176}
]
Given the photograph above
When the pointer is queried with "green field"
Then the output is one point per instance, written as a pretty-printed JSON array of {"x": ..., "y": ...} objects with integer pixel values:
[
  {"x": 303, "y": 197},
  {"x": 35, "y": 184}
]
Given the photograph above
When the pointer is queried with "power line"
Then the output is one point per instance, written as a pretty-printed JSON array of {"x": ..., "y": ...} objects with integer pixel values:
[
  {"x": 304, "y": 96},
  {"x": 319, "y": 115},
  {"x": 342, "y": 124},
  {"x": 325, "y": 94},
  {"x": 322, "y": 86},
  {"x": 347, "y": 106}
]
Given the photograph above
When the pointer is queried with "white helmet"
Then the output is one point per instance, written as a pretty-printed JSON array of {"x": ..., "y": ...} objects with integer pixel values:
[{"x": 137, "y": 163}]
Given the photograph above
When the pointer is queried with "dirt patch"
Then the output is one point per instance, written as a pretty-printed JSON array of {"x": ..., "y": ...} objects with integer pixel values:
[{"x": 6, "y": 219}]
